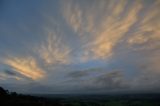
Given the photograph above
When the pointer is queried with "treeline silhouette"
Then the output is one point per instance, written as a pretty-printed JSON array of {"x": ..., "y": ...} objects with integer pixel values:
[{"x": 13, "y": 99}]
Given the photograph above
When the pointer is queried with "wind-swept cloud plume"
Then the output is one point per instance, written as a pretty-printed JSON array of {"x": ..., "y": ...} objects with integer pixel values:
[
  {"x": 53, "y": 51},
  {"x": 111, "y": 27},
  {"x": 26, "y": 66}
]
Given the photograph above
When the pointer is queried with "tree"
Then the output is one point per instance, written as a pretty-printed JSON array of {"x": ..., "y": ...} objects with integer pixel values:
[{"x": 3, "y": 92}]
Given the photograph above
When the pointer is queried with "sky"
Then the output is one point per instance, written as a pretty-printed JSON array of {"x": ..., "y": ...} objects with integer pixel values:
[{"x": 80, "y": 46}]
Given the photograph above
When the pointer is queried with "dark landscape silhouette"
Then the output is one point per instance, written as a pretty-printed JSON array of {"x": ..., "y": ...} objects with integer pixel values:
[{"x": 13, "y": 99}]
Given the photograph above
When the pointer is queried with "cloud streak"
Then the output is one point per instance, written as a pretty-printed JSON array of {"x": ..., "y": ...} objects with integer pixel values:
[{"x": 26, "y": 66}]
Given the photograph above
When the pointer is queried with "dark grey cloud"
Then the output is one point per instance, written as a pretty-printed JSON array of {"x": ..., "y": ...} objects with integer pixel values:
[
  {"x": 78, "y": 74},
  {"x": 10, "y": 72},
  {"x": 112, "y": 80}
]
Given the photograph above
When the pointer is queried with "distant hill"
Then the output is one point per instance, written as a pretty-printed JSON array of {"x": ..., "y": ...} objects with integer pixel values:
[{"x": 13, "y": 99}]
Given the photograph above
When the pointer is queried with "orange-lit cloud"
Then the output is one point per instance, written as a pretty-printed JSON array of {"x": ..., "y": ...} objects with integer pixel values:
[
  {"x": 4, "y": 76},
  {"x": 53, "y": 51},
  {"x": 26, "y": 66},
  {"x": 147, "y": 33},
  {"x": 101, "y": 37}
]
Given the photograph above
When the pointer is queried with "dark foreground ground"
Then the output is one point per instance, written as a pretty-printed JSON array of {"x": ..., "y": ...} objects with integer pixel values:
[{"x": 14, "y": 99}]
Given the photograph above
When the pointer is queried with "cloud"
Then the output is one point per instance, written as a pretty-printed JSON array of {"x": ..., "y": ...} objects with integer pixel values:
[
  {"x": 109, "y": 81},
  {"x": 146, "y": 34},
  {"x": 99, "y": 40},
  {"x": 10, "y": 72},
  {"x": 53, "y": 51},
  {"x": 12, "y": 78},
  {"x": 26, "y": 66},
  {"x": 98, "y": 80},
  {"x": 112, "y": 80},
  {"x": 60, "y": 45},
  {"x": 78, "y": 74}
]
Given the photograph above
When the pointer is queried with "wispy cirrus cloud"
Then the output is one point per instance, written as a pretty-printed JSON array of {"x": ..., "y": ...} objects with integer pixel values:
[
  {"x": 26, "y": 66},
  {"x": 104, "y": 35},
  {"x": 52, "y": 51},
  {"x": 60, "y": 44}
]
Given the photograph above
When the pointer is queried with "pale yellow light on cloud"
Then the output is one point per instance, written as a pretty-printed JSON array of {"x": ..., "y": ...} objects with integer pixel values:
[
  {"x": 148, "y": 32},
  {"x": 103, "y": 37},
  {"x": 4, "y": 76},
  {"x": 73, "y": 15},
  {"x": 26, "y": 66},
  {"x": 53, "y": 51}
]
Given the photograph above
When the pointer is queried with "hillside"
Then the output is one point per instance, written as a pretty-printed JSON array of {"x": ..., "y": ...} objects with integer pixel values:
[{"x": 13, "y": 99}]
